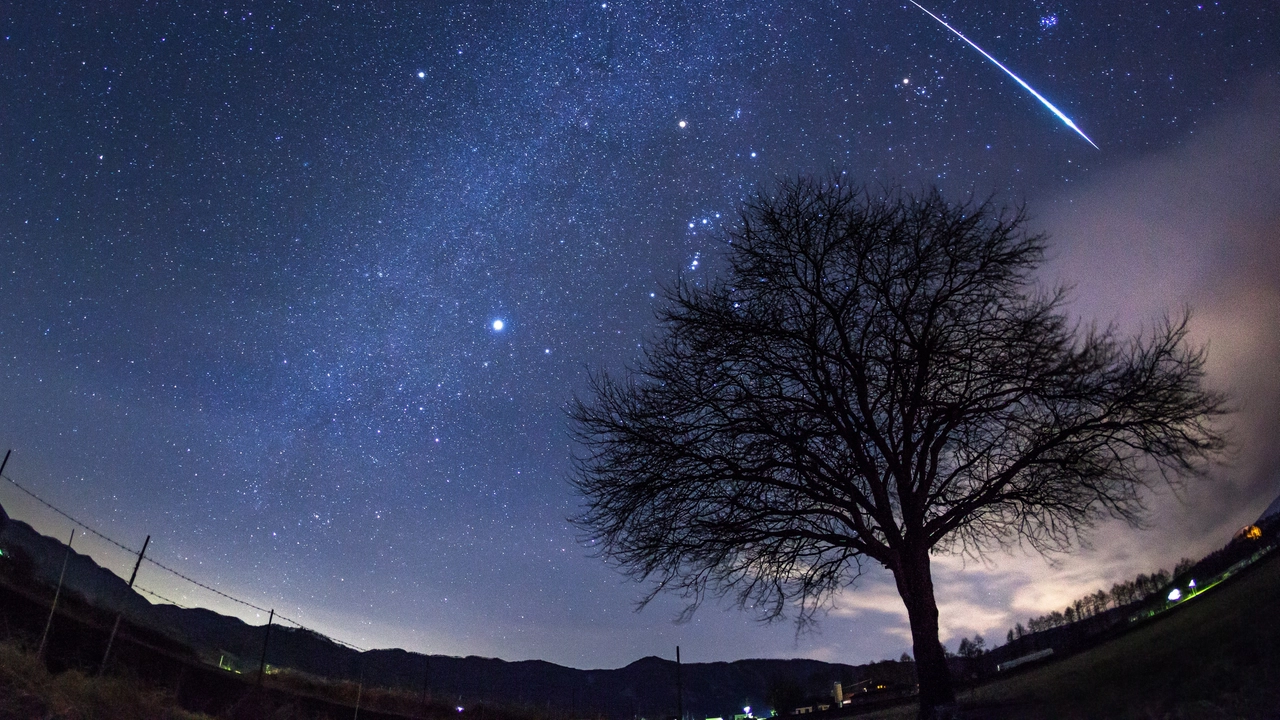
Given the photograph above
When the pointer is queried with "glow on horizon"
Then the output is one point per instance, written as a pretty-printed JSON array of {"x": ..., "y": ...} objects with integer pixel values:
[{"x": 1061, "y": 115}]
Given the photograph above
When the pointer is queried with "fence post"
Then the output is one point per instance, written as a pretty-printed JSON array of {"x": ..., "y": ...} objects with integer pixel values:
[
  {"x": 360, "y": 692},
  {"x": 262, "y": 663},
  {"x": 56, "y": 593},
  {"x": 111, "y": 640},
  {"x": 679, "y": 688},
  {"x": 426, "y": 681}
]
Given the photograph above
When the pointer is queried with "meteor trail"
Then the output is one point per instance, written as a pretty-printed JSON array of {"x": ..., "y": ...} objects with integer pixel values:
[{"x": 1061, "y": 116}]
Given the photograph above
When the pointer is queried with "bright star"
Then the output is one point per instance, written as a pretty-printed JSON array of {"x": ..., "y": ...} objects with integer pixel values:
[
  {"x": 498, "y": 325},
  {"x": 421, "y": 74},
  {"x": 683, "y": 124}
]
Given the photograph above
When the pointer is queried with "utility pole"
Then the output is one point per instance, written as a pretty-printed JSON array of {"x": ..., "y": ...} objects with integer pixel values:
[
  {"x": 679, "y": 688},
  {"x": 6, "y": 460},
  {"x": 116, "y": 628},
  {"x": 48, "y": 623},
  {"x": 262, "y": 662}
]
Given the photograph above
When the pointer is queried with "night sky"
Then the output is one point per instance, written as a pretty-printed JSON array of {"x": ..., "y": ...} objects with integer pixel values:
[{"x": 302, "y": 290}]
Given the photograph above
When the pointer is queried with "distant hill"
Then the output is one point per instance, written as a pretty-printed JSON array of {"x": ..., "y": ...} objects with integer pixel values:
[
  {"x": 1272, "y": 510},
  {"x": 646, "y": 687},
  {"x": 1215, "y": 657}
]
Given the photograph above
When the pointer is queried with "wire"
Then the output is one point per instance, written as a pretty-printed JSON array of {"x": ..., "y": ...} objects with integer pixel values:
[
  {"x": 206, "y": 587},
  {"x": 160, "y": 597},
  {"x": 166, "y": 568},
  {"x": 44, "y": 502}
]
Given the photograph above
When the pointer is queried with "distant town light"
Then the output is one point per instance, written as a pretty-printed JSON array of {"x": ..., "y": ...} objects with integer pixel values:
[
  {"x": 1175, "y": 595},
  {"x": 1192, "y": 585},
  {"x": 459, "y": 708}
]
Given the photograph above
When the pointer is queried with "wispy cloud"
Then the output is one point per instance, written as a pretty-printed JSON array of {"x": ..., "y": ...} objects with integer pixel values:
[{"x": 1196, "y": 226}]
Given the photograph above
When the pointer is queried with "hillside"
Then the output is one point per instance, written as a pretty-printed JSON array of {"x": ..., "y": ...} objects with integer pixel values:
[
  {"x": 644, "y": 687},
  {"x": 1215, "y": 657}
]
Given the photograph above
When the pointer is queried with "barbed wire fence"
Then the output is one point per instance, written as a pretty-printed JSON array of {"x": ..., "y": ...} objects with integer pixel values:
[
  {"x": 172, "y": 571},
  {"x": 421, "y": 706}
]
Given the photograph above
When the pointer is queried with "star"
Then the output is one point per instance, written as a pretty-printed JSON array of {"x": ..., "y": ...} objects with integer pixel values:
[{"x": 326, "y": 267}]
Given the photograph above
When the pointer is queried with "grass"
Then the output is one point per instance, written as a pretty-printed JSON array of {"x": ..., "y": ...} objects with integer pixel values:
[
  {"x": 399, "y": 701},
  {"x": 1216, "y": 657},
  {"x": 27, "y": 690}
]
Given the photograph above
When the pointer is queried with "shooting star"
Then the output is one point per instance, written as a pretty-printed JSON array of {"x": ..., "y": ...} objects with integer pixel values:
[{"x": 1061, "y": 115}]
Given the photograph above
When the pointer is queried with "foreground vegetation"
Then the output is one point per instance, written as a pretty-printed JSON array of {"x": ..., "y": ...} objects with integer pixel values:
[
  {"x": 155, "y": 677},
  {"x": 29, "y": 691}
]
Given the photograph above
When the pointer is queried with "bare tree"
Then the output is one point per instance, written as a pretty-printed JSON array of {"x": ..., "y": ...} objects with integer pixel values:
[
  {"x": 1098, "y": 602},
  {"x": 875, "y": 377},
  {"x": 1123, "y": 593},
  {"x": 972, "y": 648}
]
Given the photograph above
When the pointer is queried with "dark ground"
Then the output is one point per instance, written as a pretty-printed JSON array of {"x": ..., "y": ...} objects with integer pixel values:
[{"x": 1216, "y": 657}]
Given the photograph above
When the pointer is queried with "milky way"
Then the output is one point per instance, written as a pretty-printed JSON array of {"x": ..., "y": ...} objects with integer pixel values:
[{"x": 301, "y": 292}]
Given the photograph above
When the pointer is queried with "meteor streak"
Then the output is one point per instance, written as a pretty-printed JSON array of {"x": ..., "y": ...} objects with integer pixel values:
[{"x": 1061, "y": 116}]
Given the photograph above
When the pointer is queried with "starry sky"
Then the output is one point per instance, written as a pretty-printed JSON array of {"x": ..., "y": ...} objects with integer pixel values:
[{"x": 301, "y": 290}]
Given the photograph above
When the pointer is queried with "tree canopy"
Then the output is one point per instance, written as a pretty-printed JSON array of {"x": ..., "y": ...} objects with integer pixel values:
[{"x": 876, "y": 376}]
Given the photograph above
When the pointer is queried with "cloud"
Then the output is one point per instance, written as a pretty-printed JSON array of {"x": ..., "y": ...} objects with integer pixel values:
[
  {"x": 876, "y": 597},
  {"x": 972, "y": 598},
  {"x": 1195, "y": 226}
]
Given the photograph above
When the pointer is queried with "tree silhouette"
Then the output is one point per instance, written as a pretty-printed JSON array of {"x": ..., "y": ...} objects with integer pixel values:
[
  {"x": 972, "y": 648},
  {"x": 875, "y": 377}
]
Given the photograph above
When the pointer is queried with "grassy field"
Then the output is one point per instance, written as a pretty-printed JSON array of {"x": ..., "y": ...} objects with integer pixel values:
[
  {"x": 28, "y": 691},
  {"x": 1218, "y": 656}
]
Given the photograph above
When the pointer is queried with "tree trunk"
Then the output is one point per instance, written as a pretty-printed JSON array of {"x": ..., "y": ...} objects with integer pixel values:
[{"x": 915, "y": 585}]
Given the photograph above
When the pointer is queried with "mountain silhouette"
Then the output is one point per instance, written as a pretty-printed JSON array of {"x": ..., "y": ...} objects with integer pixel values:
[{"x": 644, "y": 688}]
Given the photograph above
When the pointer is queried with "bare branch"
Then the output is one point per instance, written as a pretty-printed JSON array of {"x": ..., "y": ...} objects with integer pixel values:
[{"x": 876, "y": 377}]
